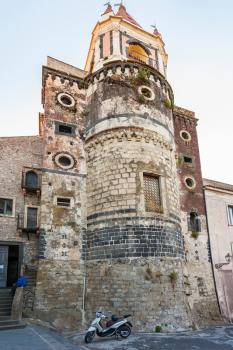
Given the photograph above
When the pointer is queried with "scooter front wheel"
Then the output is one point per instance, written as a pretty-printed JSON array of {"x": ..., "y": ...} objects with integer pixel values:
[
  {"x": 124, "y": 331},
  {"x": 89, "y": 337}
]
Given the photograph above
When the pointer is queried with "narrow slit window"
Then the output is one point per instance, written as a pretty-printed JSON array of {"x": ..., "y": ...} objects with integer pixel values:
[
  {"x": 194, "y": 222},
  {"x": 63, "y": 202},
  {"x": 152, "y": 193}
]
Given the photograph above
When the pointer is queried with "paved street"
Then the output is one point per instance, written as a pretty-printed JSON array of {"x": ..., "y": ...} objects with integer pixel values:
[
  {"x": 213, "y": 339},
  {"x": 38, "y": 338},
  {"x": 34, "y": 338}
]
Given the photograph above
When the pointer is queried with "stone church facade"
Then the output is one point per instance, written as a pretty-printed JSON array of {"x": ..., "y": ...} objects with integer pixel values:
[{"x": 105, "y": 208}]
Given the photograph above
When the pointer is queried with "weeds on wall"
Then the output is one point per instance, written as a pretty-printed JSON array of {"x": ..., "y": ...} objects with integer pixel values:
[
  {"x": 195, "y": 235},
  {"x": 140, "y": 78},
  {"x": 168, "y": 104},
  {"x": 173, "y": 276}
]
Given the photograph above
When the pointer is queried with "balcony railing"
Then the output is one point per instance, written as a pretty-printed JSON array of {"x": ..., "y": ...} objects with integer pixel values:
[
  {"x": 27, "y": 225},
  {"x": 143, "y": 59}
]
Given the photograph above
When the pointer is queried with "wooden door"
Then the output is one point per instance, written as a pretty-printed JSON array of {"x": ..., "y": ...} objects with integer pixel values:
[{"x": 3, "y": 265}]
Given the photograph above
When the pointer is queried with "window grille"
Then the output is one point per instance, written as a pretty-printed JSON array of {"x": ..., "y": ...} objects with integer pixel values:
[
  {"x": 152, "y": 193},
  {"x": 63, "y": 202}
]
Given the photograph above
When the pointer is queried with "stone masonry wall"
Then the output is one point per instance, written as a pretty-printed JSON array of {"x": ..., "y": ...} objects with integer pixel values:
[
  {"x": 23, "y": 152},
  {"x": 200, "y": 287},
  {"x": 17, "y": 154},
  {"x": 140, "y": 287},
  {"x": 125, "y": 245},
  {"x": 60, "y": 278}
]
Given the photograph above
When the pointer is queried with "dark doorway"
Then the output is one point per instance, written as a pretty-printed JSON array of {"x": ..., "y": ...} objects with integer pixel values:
[{"x": 13, "y": 265}]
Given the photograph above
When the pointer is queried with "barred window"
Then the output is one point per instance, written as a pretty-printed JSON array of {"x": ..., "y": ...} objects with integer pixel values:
[{"x": 152, "y": 193}]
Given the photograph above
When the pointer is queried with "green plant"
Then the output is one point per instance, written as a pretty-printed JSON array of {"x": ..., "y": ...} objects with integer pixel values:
[
  {"x": 143, "y": 74},
  {"x": 168, "y": 104},
  {"x": 173, "y": 278},
  {"x": 195, "y": 234},
  {"x": 142, "y": 77},
  {"x": 158, "y": 329},
  {"x": 141, "y": 99}
]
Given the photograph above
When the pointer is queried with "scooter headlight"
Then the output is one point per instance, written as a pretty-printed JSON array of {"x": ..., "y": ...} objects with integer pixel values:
[{"x": 99, "y": 314}]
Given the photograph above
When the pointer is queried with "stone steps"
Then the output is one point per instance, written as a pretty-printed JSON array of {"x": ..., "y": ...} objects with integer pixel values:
[
  {"x": 11, "y": 324},
  {"x": 5, "y": 302},
  {"x": 5, "y": 311}
]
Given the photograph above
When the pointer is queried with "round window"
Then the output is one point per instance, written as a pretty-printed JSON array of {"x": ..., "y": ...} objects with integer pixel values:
[
  {"x": 190, "y": 182},
  {"x": 146, "y": 92},
  {"x": 66, "y": 100},
  {"x": 64, "y": 160},
  {"x": 185, "y": 135}
]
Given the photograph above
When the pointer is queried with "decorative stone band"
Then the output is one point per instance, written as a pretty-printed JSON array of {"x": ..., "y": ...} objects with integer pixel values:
[
  {"x": 132, "y": 68},
  {"x": 108, "y": 70},
  {"x": 53, "y": 73},
  {"x": 163, "y": 239},
  {"x": 144, "y": 116},
  {"x": 129, "y": 134}
]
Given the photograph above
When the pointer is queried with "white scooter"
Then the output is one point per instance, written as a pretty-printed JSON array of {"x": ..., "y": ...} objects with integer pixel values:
[{"x": 116, "y": 326}]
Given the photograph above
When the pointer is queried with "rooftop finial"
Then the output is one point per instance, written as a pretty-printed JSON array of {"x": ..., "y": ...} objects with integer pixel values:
[
  {"x": 119, "y": 4},
  {"x": 109, "y": 8},
  {"x": 156, "y": 32}
]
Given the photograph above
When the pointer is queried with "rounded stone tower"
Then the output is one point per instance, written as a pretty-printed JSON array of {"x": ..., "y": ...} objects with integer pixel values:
[{"x": 133, "y": 247}]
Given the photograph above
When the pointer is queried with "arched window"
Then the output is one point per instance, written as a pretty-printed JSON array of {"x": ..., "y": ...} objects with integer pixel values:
[
  {"x": 137, "y": 52},
  {"x": 194, "y": 222},
  {"x": 31, "y": 180}
]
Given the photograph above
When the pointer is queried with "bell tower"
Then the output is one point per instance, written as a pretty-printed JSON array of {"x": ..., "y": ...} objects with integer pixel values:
[
  {"x": 133, "y": 247},
  {"x": 118, "y": 37}
]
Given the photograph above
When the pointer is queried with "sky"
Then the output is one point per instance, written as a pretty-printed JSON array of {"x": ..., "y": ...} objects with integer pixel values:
[{"x": 198, "y": 36}]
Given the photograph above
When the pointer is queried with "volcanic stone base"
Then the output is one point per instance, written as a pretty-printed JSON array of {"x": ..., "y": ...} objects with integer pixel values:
[
  {"x": 59, "y": 294},
  {"x": 141, "y": 287}
]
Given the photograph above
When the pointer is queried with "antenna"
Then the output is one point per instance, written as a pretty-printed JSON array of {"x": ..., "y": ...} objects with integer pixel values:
[
  {"x": 119, "y": 4},
  {"x": 107, "y": 3}
]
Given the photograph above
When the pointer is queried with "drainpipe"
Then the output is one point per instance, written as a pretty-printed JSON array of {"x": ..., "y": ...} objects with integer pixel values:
[
  {"x": 208, "y": 232},
  {"x": 84, "y": 286}
]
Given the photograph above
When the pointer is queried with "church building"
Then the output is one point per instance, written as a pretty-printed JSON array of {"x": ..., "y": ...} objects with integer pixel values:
[{"x": 105, "y": 209}]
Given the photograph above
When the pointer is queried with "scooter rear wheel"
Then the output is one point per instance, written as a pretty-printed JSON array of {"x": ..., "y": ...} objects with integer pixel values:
[
  {"x": 124, "y": 331},
  {"x": 89, "y": 337}
]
